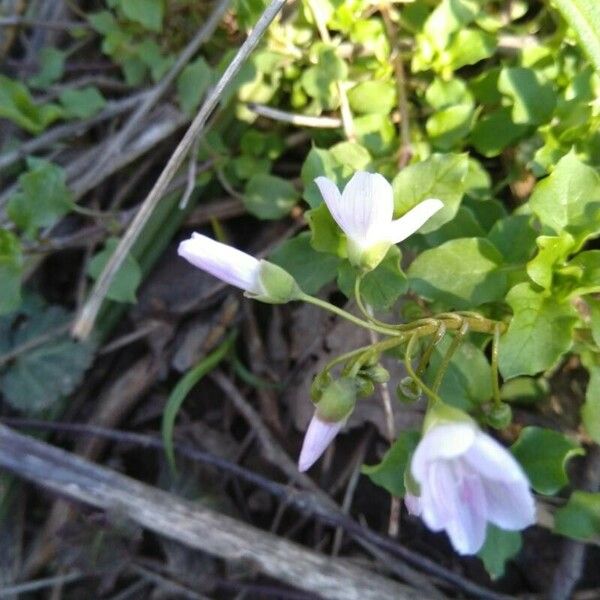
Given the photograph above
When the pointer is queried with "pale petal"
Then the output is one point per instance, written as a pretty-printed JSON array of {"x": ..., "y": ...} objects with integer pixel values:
[
  {"x": 413, "y": 504},
  {"x": 316, "y": 439},
  {"x": 225, "y": 262},
  {"x": 441, "y": 442},
  {"x": 493, "y": 460},
  {"x": 509, "y": 505},
  {"x": 466, "y": 529},
  {"x": 413, "y": 220},
  {"x": 438, "y": 495},
  {"x": 367, "y": 208},
  {"x": 332, "y": 197}
]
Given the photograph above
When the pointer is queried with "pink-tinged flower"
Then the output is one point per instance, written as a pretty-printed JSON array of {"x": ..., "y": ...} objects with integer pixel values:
[
  {"x": 364, "y": 211},
  {"x": 466, "y": 479},
  {"x": 334, "y": 405},
  {"x": 318, "y": 436},
  {"x": 260, "y": 279}
]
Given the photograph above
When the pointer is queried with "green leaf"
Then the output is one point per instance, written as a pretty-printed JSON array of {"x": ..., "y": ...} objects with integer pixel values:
[
  {"x": 448, "y": 126},
  {"x": 467, "y": 47},
  {"x": 442, "y": 94},
  {"x": 590, "y": 411},
  {"x": 584, "y": 17},
  {"x": 127, "y": 279},
  {"x": 569, "y": 199},
  {"x": 148, "y": 13},
  {"x": 500, "y": 546},
  {"x": 11, "y": 269},
  {"x": 468, "y": 381},
  {"x": 52, "y": 66},
  {"x": 553, "y": 251},
  {"x": 495, "y": 131},
  {"x": 326, "y": 235},
  {"x": 82, "y": 103},
  {"x": 581, "y": 275},
  {"x": 350, "y": 155},
  {"x": 17, "y": 105},
  {"x": 318, "y": 162},
  {"x": 539, "y": 333},
  {"x": 193, "y": 81},
  {"x": 389, "y": 473},
  {"x": 533, "y": 99},
  {"x": 38, "y": 378},
  {"x": 381, "y": 287},
  {"x": 42, "y": 197},
  {"x": 580, "y": 518},
  {"x": 544, "y": 454},
  {"x": 373, "y": 97},
  {"x": 182, "y": 389},
  {"x": 440, "y": 176},
  {"x": 514, "y": 236},
  {"x": 449, "y": 16},
  {"x": 319, "y": 81},
  {"x": 311, "y": 269},
  {"x": 269, "y": 197},
  {"x": 462, "y": 273},
  {"x": 464, "y": 224}
]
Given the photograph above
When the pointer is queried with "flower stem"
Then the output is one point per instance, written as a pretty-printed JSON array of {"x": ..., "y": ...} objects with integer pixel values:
[
  {"x": 495, "y": 384},
  {"x": 348, "y": 316},
  {"x": 431, "y": 395},
  {"x": 456, "y": 342}
]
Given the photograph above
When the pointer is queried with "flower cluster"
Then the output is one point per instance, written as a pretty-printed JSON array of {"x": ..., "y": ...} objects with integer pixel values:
[{"x": 462, "y": 478}]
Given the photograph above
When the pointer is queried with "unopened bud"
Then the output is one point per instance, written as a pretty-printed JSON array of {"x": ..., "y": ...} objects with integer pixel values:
[
  {"x": 499, "y": 416},
  {"x": 378, "y": 374},
  {"x": 337, "y": 400}
]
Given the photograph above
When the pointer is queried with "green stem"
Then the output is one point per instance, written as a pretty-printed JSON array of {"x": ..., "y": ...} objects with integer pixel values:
[
  {"x": 348, "y": 316},
  {"x": 495, "y": 384},
  {"x": 456, "y": 342},
  {"x": 431, "y": 395}
]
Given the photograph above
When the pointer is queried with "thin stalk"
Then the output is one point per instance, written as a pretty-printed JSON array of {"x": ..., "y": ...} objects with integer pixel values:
[
  {"x": 433, "y": 397},
  {"x": 348, "y": 316},
  {"x": 495, "y": 384},
  {"x": 87, "y": 316},
  {"x": 456, "y": 342}
]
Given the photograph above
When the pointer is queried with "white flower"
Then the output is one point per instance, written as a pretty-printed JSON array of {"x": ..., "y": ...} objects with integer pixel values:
[
  {"x": 364, "y": 211},
  {"x": 318, "y": 436},
  {"x": 224, "y": 262},
  {"x": 260, "y": 279},
  {"x": 466, "y": 479}
]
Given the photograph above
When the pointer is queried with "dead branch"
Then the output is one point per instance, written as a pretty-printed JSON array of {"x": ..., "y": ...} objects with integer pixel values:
[{"x": 193, "y": 525}]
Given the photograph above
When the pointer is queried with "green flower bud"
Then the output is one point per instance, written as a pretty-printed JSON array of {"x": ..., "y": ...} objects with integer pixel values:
[
  {"x": 337, "y": 400},
  {"x": 378, "y": 374},
  {"x": 365, "y": 387},
  {"x": 407, "y": 390},
  {"x": 499, "y": 416}
]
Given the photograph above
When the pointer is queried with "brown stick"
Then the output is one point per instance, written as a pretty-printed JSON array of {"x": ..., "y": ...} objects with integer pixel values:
[{"x": 189, "y": 523}]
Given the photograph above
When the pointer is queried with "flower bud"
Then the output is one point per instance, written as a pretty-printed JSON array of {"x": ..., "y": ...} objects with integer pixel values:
[
  {"x": 337, "y": 400},
  {"x": 365, "y": 387},
  {"x": 378, "y": 374},
  {"x": 499, "y": 416}
]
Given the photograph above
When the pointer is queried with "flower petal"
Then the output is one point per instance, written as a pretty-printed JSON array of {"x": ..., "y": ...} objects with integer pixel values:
[
  {"x": 413, "y": 220},
  {"x": 225, "y": 262},
  {"x": 509, "y": 505},
  {"x": 367, "y": 208},
  {"x": 413, "y": 504},
  {"x": 445, "y": 441},
  {"x": 316, "y": 439},
  {"x": 493, "y": 460},
  {"x": 332, "y": 197},
  {"x": 466, "y": 529},
  {"x": 438, "y": 495}
]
